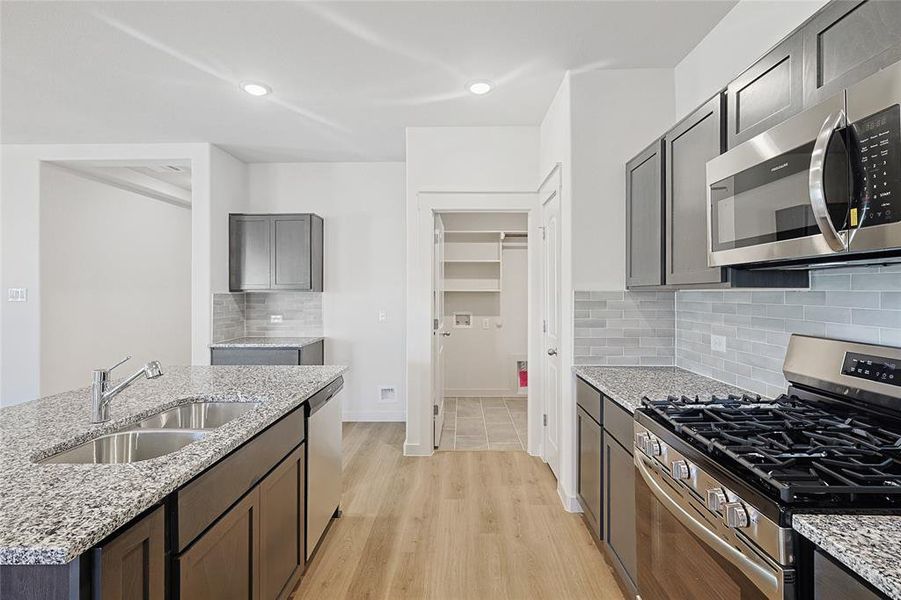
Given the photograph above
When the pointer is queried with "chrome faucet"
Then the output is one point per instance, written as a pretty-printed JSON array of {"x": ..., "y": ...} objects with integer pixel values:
[{"x": 101, "y": 395}]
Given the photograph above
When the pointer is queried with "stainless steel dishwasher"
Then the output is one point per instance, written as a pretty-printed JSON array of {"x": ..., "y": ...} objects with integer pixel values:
[{"x": 323, "y": 461}]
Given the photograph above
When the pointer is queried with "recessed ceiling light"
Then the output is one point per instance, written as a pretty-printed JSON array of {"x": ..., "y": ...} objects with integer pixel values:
[
  {"x": 256, "y": 89},
  {"x": 480, "y": 88}
]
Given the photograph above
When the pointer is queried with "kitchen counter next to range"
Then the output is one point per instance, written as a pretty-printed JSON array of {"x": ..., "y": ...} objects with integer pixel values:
[
  {"x": 267, "y": 342},
  {"x": 865, "y": 544},
  {"x": 51, "y": 513},
  {"x": 628, "y": 385}
]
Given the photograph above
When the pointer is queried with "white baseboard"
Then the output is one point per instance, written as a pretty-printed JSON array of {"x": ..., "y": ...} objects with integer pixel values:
[
  {"x": 472, "y": 393},
  {"x": 570, "y": 503},
  {"x": 375, "y": 416}
]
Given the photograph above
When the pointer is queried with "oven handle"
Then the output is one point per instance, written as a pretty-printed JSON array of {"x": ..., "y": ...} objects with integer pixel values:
[
  {"x": 816, "y": 186},
  {"x": 765, "y": 580}
]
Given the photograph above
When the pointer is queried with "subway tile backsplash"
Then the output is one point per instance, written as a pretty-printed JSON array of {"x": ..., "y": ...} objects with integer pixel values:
[
  {"x": 624, "y": 328},
  {"x": 860, "y": 304},
  {"x": 249, "y": 314}
]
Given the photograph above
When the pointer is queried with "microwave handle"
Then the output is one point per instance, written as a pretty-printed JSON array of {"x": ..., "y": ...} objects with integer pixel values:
[
  {"x": 764, "y": 578},
  {"x": 815, "y": 182}
]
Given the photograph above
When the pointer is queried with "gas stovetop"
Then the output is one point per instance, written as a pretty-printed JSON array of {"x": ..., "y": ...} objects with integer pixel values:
[{"x": 798, "y": 450}]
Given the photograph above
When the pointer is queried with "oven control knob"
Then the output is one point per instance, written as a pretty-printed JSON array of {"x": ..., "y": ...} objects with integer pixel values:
[
  {"x": 641, "y": 441},
  {"x": 679, "y": 470},
  {"x": 654, "y": 448},
  {"x": 716, "y": 498},
  {"x": 736, "y": 515}
]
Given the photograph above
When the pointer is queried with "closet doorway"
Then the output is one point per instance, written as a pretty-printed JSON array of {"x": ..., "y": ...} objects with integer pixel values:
[{"x": 483, "y": 321}]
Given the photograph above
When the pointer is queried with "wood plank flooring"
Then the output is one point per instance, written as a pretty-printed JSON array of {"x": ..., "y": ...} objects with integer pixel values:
[{"x": 454, "y": 526}]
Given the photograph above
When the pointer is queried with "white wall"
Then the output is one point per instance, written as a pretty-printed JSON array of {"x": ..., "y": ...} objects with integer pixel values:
[
  {"x": 450, "y": 159},
  {"x": 20, "y": 253},
  {"x": 615, "y": 114},
  {"x": 734, "y": 44},
  {"x": 115, "y": 279},
  {"x": 362, "y": 205}
]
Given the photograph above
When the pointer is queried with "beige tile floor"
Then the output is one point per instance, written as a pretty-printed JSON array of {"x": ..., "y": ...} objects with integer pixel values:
[{"x": 484, "y": 424}]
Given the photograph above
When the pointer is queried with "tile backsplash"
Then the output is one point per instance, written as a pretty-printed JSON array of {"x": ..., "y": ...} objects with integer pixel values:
[
  {"x": 861, "y": 304},
  {"x": 249, "y": 314},
  {"x": 624, "y": 328}
]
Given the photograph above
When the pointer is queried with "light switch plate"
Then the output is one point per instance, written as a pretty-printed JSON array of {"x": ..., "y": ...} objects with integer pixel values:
[
  {"x": 17, "y": 295},
  {"x": 718, "y": 343},
  {"x": 275, "y": 318}
]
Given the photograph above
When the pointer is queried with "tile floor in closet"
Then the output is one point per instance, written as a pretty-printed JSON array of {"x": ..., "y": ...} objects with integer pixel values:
[{"x": 484, "y": 424}]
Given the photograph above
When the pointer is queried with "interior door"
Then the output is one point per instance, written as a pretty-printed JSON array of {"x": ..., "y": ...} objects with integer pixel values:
[
  {"x": 439, "y": 330},
  {"x": 551, "y": 369}
]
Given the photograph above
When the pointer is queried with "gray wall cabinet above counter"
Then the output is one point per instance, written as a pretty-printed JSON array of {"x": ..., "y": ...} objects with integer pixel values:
[
  {"x": 275, "y": 252},
  {"x": 841, "y": 44}
]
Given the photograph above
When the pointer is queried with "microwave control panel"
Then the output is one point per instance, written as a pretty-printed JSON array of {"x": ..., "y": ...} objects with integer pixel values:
[
  {"x": 874, "y": 368},
  {"x": 878, "y": 145}
]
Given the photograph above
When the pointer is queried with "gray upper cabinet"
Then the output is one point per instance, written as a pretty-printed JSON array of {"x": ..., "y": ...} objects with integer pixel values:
[
  {"x": 644, "y": 218},
  {"x": 275, "y": 252},
  {"x": 688, "y": 147},
  {"x": 846, "y": 41},
  {"x": 767, "y": 93}
]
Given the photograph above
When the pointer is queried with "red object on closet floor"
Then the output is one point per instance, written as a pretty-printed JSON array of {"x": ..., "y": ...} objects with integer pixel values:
[{"x": 523, "y": 379}]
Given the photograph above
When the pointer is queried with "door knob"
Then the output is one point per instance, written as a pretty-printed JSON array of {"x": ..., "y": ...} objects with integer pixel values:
[
  {"x": 445, "y": 333},
  {"x": 552, "y": 352}
]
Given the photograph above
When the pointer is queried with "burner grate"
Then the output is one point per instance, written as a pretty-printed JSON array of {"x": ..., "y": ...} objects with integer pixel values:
[{"x": 794, "y": 446}]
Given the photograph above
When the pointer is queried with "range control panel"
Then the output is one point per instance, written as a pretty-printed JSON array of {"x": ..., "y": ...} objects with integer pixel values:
[
  {"x": 878, "y": 177},
  {"x": 874, "y": 368}
]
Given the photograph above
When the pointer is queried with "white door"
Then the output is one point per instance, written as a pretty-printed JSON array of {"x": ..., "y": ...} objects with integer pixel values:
[
  {"x": 551, "y": 376},
  {"x": 439, "y": 330}
]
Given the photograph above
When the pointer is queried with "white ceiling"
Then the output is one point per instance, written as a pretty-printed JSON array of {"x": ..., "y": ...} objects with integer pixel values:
[{"x": 347, "y": 77}]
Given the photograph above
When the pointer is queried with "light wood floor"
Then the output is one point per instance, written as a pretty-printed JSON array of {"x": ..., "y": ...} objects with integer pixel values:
[{"x": 455, "y": 526}]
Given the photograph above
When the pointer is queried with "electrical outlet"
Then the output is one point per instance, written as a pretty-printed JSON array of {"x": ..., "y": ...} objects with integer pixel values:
[
  {"x": 383, "y": 316},
  {"x": 17, "y": 295},
  {"x": 718, "y": 343},
  {"x": 275, "y": 318},
  {"x": 486, "y": 323}
]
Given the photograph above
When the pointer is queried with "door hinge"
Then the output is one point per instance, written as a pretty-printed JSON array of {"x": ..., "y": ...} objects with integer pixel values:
[
  {"x": 437, "y": 236},
  {"x": 544, "y": 420},
  {"x": 435, "y": 409},
  {"x": 544, "y": 326},
  {"x": 543, "y": 232}
]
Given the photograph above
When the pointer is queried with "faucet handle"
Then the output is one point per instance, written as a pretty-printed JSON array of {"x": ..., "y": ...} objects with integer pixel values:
[{"x": 121, "y": 362}]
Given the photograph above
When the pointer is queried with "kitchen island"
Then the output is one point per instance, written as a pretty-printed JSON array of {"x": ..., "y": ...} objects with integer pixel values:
[{"x": 54, "y": 517}]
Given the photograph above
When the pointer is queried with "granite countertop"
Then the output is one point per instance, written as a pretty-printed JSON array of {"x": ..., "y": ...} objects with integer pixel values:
[
  {"x": 628, "y": 385},
  {"x": 51, "y": 513},
  {"x": 267, "y": 342},
  {"x": 866, "y": 544}
]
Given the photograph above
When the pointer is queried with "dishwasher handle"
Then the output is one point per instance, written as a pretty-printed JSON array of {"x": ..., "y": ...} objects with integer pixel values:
[{"x": 319, "y": 399}]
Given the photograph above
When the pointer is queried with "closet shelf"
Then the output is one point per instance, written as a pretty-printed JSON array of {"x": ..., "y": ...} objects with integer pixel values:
[{"x": 473, "y": 260}]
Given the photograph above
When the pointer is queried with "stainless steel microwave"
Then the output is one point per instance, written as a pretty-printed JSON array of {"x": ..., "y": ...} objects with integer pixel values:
[{"x": 821, "y": 187}]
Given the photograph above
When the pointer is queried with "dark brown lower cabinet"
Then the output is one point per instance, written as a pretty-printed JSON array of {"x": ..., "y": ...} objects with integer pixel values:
[
  {"x": 224, "y": 562},
  {"x": 255, "y": 550},
  {"x": 132, "y": 564},
  {"x": 282, "y": 527},
  {"x": 619, "y": 511}
]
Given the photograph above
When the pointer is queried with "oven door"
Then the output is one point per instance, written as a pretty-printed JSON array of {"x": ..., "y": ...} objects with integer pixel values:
[
  {"x": 683, "y": 551},
  {"x": 783, "y": 195}
]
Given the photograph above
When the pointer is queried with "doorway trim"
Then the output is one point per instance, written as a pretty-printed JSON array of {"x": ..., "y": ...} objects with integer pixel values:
[{"x": 419, "y": 288}]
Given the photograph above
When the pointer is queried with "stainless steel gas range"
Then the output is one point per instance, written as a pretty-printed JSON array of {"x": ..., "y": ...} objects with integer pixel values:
[{"x": 720, "y": 479}]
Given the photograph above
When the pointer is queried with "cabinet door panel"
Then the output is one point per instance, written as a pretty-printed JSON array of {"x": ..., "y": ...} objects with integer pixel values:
[
  {"x": 249, "y": 252},
  {"x": 846, "y": 41},
  {"x": 224, "y": 563},
  {"x": 619, "y": 505},
  {"x": 644, "y": 219},
  {"x": 590, "y": 470},
  {"x": 281, "y": 526},
  {"x": 291, "y": 261},
  {"x": 767, "y": 93},
  {"x": 132, "y": 565},
  {"x": 689, "y": 146}
]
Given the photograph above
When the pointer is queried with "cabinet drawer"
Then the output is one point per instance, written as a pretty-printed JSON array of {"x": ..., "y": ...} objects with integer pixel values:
[
  {"x": 619, "y": 423},
  {"x": 254, "y": 356},
  {"x": 589, "y": 399},
  {"x": 201, "y": 501}
]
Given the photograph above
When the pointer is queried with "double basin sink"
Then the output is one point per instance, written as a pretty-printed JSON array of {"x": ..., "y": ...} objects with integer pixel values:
[{"x": 154, "y": 436}]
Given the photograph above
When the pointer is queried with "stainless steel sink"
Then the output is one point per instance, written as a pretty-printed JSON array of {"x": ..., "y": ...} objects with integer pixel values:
[
  {"x": 196, "y": 415},
  {"x": 127, "y": 447}
]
